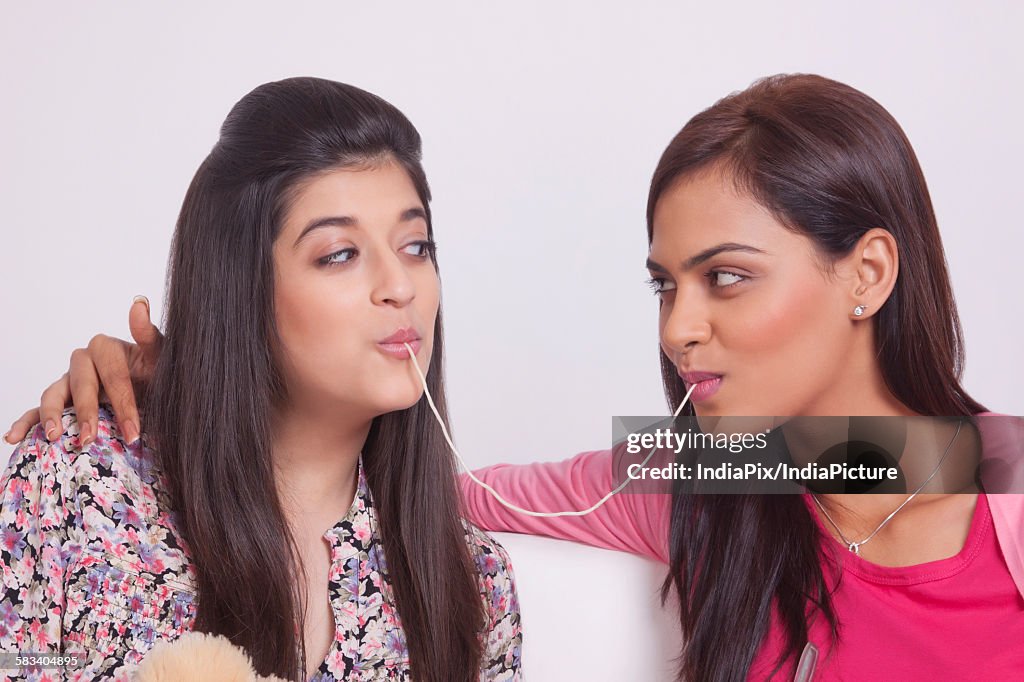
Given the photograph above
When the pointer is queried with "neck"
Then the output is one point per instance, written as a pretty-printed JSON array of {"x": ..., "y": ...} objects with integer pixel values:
[
  {"x": 858, "y": 389},
  {"x": 316, "y": 457},
  {"x": 857, "y": 386},
  {"x": 934, "y": 456}
]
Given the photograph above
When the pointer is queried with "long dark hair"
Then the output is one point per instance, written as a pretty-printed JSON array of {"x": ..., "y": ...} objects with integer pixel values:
[
  {"x": 830, "y": 163},
  {"x": 210, "y": 402}
]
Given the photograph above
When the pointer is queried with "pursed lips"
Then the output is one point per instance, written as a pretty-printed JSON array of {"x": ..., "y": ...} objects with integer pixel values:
[
  {"x": 705, "y": 384},
  {"x": 394, "y": 345}
]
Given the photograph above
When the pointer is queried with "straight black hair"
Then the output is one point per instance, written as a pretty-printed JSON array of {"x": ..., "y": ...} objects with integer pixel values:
[
  {"x": 216, "y": 382},
  {"x": 830, "y": 163}
]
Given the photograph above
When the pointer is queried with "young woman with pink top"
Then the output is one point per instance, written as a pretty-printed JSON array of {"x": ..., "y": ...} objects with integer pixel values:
[{"x": 800, "y": 272}]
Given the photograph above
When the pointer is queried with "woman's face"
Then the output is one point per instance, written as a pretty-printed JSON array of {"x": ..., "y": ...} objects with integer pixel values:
[
  {"x": 353, "y": 280},
  {"x": 748, "y": 313}
]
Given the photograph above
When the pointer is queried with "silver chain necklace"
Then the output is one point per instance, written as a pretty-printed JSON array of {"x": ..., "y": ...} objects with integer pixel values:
[{"x": 855, "y": 546}]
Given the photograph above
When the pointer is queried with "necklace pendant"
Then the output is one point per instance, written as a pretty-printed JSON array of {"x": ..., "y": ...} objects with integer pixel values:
[{"x": 855, "y": 547}]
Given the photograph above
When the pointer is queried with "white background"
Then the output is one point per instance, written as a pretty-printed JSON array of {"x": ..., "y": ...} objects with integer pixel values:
[{"x": 542, "y": 124}]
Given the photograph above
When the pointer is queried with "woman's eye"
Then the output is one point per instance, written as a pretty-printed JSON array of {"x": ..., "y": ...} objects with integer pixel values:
[
  {"x": 420, "y": 249},
  {"x": 339, "y": 257},
  {"x": 660, "y": 285},
  {"x": 721, "y": 279}
]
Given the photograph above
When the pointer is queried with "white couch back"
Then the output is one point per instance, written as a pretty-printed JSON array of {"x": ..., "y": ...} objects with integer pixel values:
[{"x": 591, "y": 615}]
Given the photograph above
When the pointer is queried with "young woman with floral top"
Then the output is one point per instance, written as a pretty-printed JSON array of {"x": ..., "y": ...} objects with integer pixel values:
[{"x": 292, "y": 491}]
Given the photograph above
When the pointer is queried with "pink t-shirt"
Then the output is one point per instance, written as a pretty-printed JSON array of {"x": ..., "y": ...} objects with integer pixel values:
[{"x": 960, "y": 618}]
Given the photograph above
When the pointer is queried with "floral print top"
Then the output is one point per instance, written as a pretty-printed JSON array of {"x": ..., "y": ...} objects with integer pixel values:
[{"x": 93, "y": 565}]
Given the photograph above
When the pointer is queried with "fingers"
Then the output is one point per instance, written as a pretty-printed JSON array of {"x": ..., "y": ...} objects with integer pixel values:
[
  {"x": 106, "y": 360},
  {"x": 51, "y": 406},
  {"x": 145, "y": 333},
  {"x": 85, "y": 393},
  {"x": 19, "y": 429},
  {"x": 110, "y": 362}
]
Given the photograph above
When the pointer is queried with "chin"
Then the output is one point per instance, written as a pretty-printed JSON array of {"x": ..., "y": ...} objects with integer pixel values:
[
  {"x": 399, "y": 399},
  {"x": 711, "y": 408}
]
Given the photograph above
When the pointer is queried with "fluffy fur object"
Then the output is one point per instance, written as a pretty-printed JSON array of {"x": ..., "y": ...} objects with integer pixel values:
[{"x": 199, "y": 657}]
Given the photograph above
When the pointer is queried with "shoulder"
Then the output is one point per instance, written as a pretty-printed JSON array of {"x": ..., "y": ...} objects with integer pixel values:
[
  {"x": 108, "y": 461},
  {"x": 494, "y": 571},
  {"x": 36, "y": 496},
  {"x": 503, "y": 637},
  {"x": 111, "y": 492},
  {"x": 491, "y": 556}
]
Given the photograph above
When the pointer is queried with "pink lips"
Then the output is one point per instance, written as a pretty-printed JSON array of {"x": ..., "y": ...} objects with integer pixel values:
[
  {"x": 705, "y": 384},
  {"x": 394, "y": 345}
]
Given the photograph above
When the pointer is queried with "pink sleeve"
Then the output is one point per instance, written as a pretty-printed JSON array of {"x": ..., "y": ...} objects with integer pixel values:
[{"x": 636, "y": 523}]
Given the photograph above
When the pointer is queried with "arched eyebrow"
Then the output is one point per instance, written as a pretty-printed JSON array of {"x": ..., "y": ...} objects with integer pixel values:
[
  {"x": 407, "y": 215},
  {"x": 693, "y": 261}
]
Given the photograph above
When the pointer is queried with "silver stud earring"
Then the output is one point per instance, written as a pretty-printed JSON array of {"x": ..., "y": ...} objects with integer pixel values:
[{"x": 859, "y": 310}]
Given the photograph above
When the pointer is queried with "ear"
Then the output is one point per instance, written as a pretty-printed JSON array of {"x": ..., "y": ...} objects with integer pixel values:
[{"x": 871, "y": 269}]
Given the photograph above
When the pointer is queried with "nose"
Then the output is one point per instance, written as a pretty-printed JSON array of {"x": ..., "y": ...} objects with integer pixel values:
[
  {"x": 393, "y": 284},
  {"x": 685, "y": 325}
]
